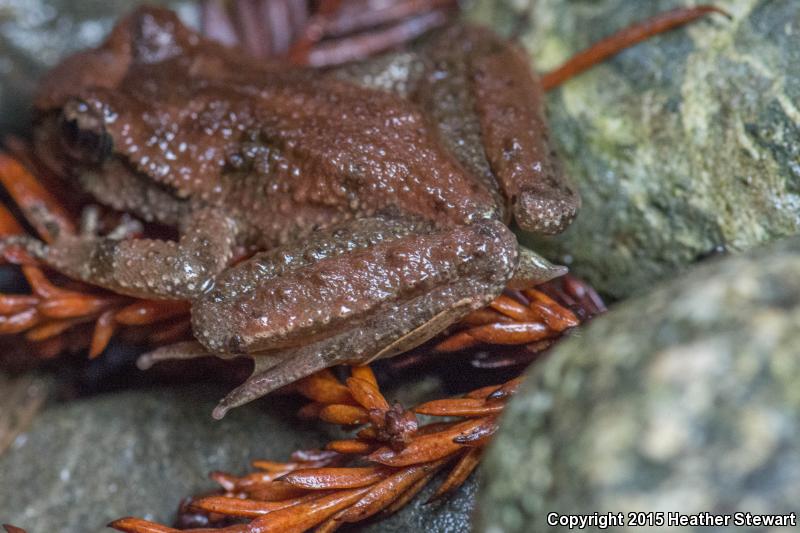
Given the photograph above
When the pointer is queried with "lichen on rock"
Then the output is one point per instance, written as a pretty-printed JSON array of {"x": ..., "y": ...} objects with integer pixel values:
[
  {"x": 683, "y": 146},
  {"x": 681, "y": 400}
]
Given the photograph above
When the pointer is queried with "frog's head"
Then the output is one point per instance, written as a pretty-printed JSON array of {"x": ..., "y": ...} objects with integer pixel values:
[
  {"x": 81, "y": 142},
  {"x": 102, "y": 108},
  {"x": 82, "y": 135},
  {"x": 73, "y": 138},
  {"x": 72, "y": 104}
]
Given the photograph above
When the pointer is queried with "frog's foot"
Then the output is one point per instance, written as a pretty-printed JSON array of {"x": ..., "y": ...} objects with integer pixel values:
[
  {"x": 372, "y": 289},
  {"x": 91, "y": 225},
  {"x": 335, "y": 33},
  {"x": 145, "y": 268}
]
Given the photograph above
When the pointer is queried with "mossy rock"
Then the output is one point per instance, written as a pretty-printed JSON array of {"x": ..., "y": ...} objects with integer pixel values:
[
  {"x": 684, "y": 146},
  {"x": 684, "y": 400}
]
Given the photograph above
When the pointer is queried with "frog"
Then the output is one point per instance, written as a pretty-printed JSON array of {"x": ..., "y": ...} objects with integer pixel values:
[{"x": 372, "y": 202}]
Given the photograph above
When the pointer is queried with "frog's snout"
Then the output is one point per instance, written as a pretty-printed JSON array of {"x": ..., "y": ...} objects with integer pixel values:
[{"x": 83, "y": 133}]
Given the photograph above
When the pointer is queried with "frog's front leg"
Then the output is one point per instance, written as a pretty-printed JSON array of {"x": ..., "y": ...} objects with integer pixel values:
[
  {"x": 145, "y": 268},
  {"x": 350, "y": 298}
]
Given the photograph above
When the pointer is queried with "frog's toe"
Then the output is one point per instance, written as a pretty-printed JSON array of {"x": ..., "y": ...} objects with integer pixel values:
[
  {"x": 172, "y": 352},
  {"x": 271, "y": 372},
  {"x": 30, "y": 245},
  {"x": 546, "y": 213}
]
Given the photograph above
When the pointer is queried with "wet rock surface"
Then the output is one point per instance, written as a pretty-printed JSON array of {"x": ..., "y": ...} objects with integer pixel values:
[
  {"x": 684, "y": 146},
  {"x": 83, "y": 464},
  {"x": 684, "y": 400}
]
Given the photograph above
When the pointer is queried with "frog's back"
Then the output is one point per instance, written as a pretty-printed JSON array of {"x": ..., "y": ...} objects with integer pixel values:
[{"x": 288, "y": 149}]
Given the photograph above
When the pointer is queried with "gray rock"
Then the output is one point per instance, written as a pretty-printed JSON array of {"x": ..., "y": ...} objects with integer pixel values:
[
  {"x": 88, "y": 462},
  {"x": 682, "y": 146},
  {"x": 83, "y": 464},
  {"x": 683, "y": 400},
  {"x": 36, "y": 34}
]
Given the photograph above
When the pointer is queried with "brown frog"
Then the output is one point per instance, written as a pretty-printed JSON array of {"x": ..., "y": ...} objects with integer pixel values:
[{"x": 375, "y": 197}]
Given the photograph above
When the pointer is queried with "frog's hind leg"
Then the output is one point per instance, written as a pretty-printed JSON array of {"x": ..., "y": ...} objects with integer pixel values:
[
  {"x": 350, "y": 300},
  {"x": 383, "y": 335},
  {"x": 145, "y": 268}
]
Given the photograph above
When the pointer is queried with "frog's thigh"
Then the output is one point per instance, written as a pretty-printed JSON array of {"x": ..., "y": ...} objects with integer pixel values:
[
  {"x": 147, "y": 267},
  {"x": 353, "y": 308}
]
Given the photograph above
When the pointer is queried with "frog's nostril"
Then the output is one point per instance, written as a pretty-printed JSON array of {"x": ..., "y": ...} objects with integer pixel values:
[
  {"x": 83, "y": 133},
  {"x": 235, "y": 345}
]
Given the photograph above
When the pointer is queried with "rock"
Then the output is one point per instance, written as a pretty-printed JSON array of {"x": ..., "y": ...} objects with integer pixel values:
[
  {"x": 683, "y": 146},
  {"x": 683, "y": 400},
  {"x": 22, "y": 399},
  {"x": 88, "y": 462},
  {"x": 36, "y": 34},
  {"x": 85, "y": 463}
]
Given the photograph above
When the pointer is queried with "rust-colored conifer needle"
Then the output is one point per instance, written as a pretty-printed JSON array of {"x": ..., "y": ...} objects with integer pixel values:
[
  {"x": 323, "y": 387},
  {"x": 301, "y": 517},
  {"x": 103, "y": 331},
  {"x": 605, "y": 48},
  {"x": 344, "y": 415},
  {"x": 429, "y": 447},
  {"x": 335, "y": 478},
  {"x": 351, "y": 447},
  {"x": 137, "y": 525},
  {"x": 513, "y": 309},
  {"x": 469, "y": 461},
  {"x": 273, "y": 491},
  {"x": 43, "y": 211},
  {"x": 522, "y": 333},
  {"x": 365, "y": 373},
  {"x": 466, "y": 407},
  {"x": 367, "y": 394},
  {"x": 246, "y": 508},
  {"x": 387, "y": 491}
]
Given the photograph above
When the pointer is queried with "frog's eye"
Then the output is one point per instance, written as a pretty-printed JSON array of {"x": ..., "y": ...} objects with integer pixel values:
[{"x": 83, "y": 133}]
